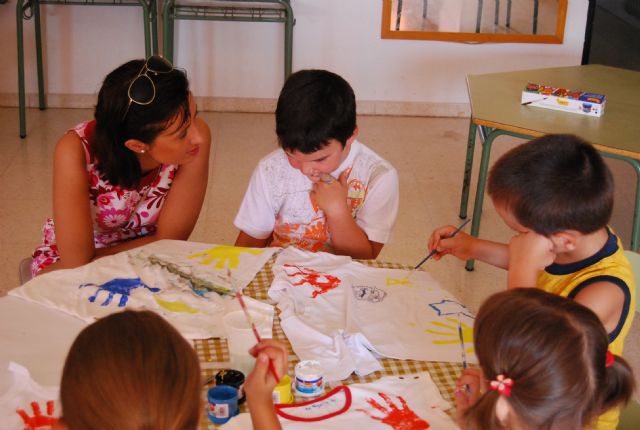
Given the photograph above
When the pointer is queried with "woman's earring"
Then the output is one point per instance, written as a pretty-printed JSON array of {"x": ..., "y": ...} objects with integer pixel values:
[{"x": 142, "y": 151}]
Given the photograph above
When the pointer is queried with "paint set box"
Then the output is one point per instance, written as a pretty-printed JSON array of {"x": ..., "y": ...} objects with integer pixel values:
[{"x": 573, "y": 101}]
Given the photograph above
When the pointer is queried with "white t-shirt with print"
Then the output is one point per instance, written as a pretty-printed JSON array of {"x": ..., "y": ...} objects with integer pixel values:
[
  {"x": 408, "y": 402},
  {"x": 277, "y": 201},
  {"x": 344, "y": 314}
]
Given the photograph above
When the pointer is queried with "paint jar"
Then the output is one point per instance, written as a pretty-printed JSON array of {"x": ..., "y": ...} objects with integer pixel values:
[
  {"x": 309, "y": 381},
  {"x": 282, "y": 391},
  {"x": 223, "y": 403},
  {"x": 234, "y": 378}
]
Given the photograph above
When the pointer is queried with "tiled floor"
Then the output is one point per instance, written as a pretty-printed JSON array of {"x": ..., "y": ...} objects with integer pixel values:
[{"x": 428, "y": 153}]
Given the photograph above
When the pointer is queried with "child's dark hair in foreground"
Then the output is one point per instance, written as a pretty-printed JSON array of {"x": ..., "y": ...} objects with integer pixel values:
[{"x": 547, "y": 362}]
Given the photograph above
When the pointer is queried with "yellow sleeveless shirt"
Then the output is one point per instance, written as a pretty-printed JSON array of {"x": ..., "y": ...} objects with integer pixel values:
[{"x": 608, "y": 265}]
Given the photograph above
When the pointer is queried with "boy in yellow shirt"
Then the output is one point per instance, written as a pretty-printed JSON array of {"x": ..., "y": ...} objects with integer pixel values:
[{"x": 556, "y": 193}]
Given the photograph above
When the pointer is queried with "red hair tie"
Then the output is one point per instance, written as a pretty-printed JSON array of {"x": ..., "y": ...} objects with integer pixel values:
[
  {"x": 610, "y": 358},
  {"x": 502, "y": 384}
]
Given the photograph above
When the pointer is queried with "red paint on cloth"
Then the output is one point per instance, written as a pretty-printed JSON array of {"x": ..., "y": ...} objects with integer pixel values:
[{"x": 397, "y": 418}]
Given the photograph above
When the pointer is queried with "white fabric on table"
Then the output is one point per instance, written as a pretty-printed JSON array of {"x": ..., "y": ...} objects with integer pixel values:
[
  {"x": 168, "y": 277},
  {"x": 371, "y": 403},
  {"x": 343, "y": 313},
  {"x": 18, "y": 391}
]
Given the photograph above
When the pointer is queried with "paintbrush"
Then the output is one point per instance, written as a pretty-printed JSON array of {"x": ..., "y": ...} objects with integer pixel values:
[
  {"x": 464, "y": 354},
  {"x": 251, "y": 323},
  {"x": 533, "y": 101},
  {"x": 432, "y": 253}
]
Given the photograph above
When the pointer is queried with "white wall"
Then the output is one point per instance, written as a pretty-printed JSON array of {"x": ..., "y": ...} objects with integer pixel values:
[{"x": 226, "y": 59}]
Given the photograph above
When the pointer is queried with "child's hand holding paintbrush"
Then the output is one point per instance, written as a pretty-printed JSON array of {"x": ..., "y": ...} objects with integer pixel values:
[
  {"x": 243, "y": 305},
  {"x": 449, "y": 240},
  {"x": 260, "y": 383}
]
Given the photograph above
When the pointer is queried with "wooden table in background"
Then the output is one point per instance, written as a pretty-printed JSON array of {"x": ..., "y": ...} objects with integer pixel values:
[{"x": 496, "y": 110}]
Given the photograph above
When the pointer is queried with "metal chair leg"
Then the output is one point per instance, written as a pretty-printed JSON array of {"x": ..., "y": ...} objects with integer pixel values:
[
  {"x": 482, "y": 179},
  {"x": 21, "y": 97},
  {"x": 489, "y": 136},
  {"x": 146, "y": 21},
  {"x": 288, "y": 39},
  {"x": 635, "y": 229},
  {"x": 479, "y": 16},
  {"x": 36, "y": 16},
  {"x": 468, "y": 166},
  {"x": 153, "y": 9},
  {"x": 167, "y": 28}
]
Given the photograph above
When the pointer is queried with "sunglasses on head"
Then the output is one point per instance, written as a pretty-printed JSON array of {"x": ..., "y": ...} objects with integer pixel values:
[{"x": 142, "y": 90}]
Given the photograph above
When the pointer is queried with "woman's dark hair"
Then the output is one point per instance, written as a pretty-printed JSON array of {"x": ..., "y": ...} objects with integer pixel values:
[
  {"x": 553, "y": 183},
  {"x": 115, "y": 124},
  {"x": 131, "y": 371},
  {"x": 555, "y": 351},
  {"x": 315, "y": 106}
]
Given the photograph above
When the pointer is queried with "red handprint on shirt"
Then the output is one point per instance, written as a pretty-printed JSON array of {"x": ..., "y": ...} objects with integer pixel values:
[
  {"x": 38, "y": 421},
  {"x": 396, "y": 418},
  {"x": 322, "y": 282}
]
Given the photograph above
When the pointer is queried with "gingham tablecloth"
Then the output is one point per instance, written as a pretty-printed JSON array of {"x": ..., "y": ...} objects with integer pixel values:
[{"x": 214, "y": 354}]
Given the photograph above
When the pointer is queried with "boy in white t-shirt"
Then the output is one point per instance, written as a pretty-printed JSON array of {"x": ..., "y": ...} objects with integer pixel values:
[{"x": 322, "y": 190}]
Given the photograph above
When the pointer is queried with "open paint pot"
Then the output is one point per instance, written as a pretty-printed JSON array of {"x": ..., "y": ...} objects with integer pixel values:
[
  {"x": 282, "y": 392},
  {"x": 233, "y": 378},
  {"x": 223, "y": 403},
  {"x": 309, "y": 380}
]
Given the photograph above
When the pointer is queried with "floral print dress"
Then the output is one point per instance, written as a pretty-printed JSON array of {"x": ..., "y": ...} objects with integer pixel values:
[{"x": 118, "y": 214}]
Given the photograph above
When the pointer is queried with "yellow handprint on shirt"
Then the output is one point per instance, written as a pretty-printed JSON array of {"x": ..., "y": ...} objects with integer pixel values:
[
  {"x": 228, "y": 256},
  {"x": 451, "y": 331}
]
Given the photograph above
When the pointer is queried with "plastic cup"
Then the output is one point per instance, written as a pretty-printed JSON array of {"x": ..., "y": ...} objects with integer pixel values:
[
  {"x": 223, "y": 403},
  {"x": 240, "y": 338}
]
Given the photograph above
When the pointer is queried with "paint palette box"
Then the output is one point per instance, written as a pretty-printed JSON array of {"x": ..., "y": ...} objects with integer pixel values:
[{"x": 573, "y": 101}]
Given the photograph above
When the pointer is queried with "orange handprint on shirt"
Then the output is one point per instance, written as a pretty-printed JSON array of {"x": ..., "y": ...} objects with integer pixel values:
[
  {"x": 397, "y": 418},
  {"x": 38, "y": 421}
]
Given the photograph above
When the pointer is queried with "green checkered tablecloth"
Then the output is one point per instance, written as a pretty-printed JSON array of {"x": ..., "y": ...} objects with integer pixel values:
[{"x": 214, "y": 354}]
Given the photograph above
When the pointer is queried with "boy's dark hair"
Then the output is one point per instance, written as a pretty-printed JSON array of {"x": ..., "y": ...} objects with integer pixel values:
[
  {"x": 115, "y": 125},
  {"x": 554, "y": 349},
  {"x": 314, "y": 106},
  {"x": 553, "y": 183}
]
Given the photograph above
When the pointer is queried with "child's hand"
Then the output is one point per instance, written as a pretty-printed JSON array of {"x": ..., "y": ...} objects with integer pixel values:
[
  {"x": 331, "y": 195},
  {"x": 533, "y": 248},
  {"x": 260, "y": 383},
  {"x": 474, "y": 379},
  {"x": 529, "y": 254},
  {"x": 459, "y": 246}
]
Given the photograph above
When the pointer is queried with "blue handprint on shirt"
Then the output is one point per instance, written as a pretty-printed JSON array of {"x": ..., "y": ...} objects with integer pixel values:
[{"x": 122, "y": 286}]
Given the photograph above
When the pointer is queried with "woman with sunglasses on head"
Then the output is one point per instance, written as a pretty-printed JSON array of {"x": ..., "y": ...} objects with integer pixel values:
[{"x": 135, "y": 174}]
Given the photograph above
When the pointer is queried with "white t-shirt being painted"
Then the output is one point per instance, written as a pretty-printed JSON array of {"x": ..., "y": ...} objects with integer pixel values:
[{"x": 277, "y": 201}]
